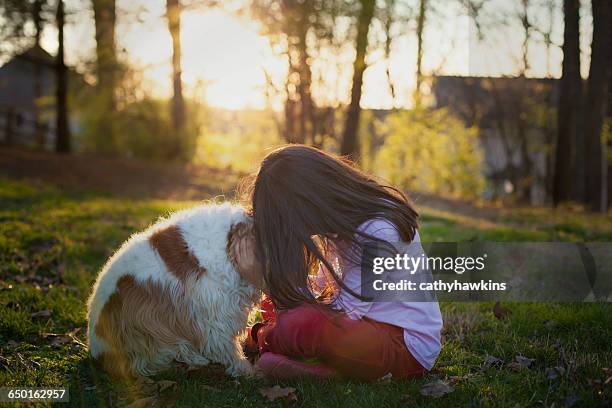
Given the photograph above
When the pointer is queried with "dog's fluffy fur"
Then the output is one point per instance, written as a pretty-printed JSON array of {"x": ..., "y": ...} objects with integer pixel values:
[{"x": 172, "y": 294}]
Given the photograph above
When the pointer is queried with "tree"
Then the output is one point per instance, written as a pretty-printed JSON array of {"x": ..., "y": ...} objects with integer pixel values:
[
  {"x": 568, "y": 104},
  {"x": 388, "y": 20},
  {"x": 38, "y": 20},
  {"x": 350, "y": 142},
  {"x": 419, "y": 64},
  {"x": 106, "y": 69},
  {"x": 291, "y": 23},
  {"x": 62, "y": 142},
  {"x": 595, "y": 148},
  {"x": 177, "y": 107}
]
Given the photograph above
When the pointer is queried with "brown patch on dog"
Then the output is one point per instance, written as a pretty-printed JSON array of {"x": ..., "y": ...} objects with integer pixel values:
[
  {"x": 138, "y": 320},
  {"x": 174, "y": 251}
]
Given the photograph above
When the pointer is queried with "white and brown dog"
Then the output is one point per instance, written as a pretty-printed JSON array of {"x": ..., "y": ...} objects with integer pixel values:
[{"x": 173, "y": 293}]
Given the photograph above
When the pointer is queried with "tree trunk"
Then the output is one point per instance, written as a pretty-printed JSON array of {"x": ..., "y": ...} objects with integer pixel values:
[
  {"x": 291, "y": 133},
  {"x": 527, "y": 31},
  {"x": 526, "y": 170},
  {"x": 304, "y": 88},
  {"x": 595, "y": 149},
  {"x": 389, "y": 10},
  {"x": 106, "y": 64},
  {"x": 106, "y": 67},
  {"x": 350, "y": 142},
  {"x": 419, "y": 62},
  {"x": 62, "y": 142},
  {"x": 568, "y": 104},
  {"x": 38, "y": 127},
  {"x": 177, "y": 110}
]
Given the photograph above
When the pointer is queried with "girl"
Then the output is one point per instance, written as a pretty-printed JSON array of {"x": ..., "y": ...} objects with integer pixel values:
[{"x": 313, "y": 210}]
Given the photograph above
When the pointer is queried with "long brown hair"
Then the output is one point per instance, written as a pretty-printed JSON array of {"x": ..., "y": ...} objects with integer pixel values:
[{"x": 303, "y": 196}]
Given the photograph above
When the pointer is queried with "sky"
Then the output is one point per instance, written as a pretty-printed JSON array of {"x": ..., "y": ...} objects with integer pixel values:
[{"x": 225, "y": 57}]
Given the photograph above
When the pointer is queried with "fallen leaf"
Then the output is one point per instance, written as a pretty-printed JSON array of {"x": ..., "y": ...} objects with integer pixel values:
[
  {"x": 165, "y": 384},
  {"x": 208, "y": 387},
  {"x": 60, "y": 339},
  {"x": 12, "y": 343},
  {"x": 42, "y": 313},
  {"x": 142, "y": 403},
  {"x": 520, "y": 363},
  {"x": 500, "y": 312},
  {"x": 491, "y": 361},
  {"x": 608, "y": 380},
  {"x": 549, "y": 324},
  {"x": 386, "y": 378},
  {"x": 436, "y": 389},
  {"x": 553, "y": 373},
  {"x": 524, "y": 360},
  {"x": 273, "y": 393}
]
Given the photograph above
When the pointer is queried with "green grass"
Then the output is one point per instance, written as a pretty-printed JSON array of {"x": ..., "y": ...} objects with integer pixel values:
[{"x": 52, "y": 245}]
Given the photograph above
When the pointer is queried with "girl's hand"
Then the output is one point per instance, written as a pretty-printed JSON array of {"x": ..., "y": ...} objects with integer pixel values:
[{"x": 247, "y": 262}]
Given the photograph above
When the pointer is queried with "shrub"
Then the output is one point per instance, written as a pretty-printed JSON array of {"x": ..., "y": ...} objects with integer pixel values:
[{"x": 431, "y": 151}]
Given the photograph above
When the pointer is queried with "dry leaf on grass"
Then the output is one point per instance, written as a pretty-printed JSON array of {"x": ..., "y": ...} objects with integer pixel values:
[
  {"x": 43, "y": 314},
  {"x": 64, "y": 338},
  {"x": 500, "y": 312},
  {"x": 520, "y": 363},
  {"x": 436, "y": 389},
  {"x": 12, "y": 343},
  {"x": 273, "y": 393},
  {"x": 163, "y": 385},
  {"x": 491, "y": 361},
  {"x": 386, "y": 378}
]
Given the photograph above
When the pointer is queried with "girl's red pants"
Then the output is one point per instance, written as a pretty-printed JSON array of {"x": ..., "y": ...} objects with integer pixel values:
[{"x": 361, "y": 349}]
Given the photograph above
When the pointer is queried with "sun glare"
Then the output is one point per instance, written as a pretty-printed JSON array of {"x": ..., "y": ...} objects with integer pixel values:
[{"x": 223, "y": 58}]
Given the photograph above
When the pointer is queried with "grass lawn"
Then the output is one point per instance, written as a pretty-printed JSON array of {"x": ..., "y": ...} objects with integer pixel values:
[{"x": 52, "y": 244}]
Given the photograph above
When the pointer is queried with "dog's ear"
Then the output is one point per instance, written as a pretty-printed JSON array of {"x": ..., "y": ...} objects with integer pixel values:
[{"x": 242, "y": 253}]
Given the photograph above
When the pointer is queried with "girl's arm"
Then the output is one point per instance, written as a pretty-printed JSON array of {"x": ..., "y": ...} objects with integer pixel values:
[{"x": 354, "y": 307}]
